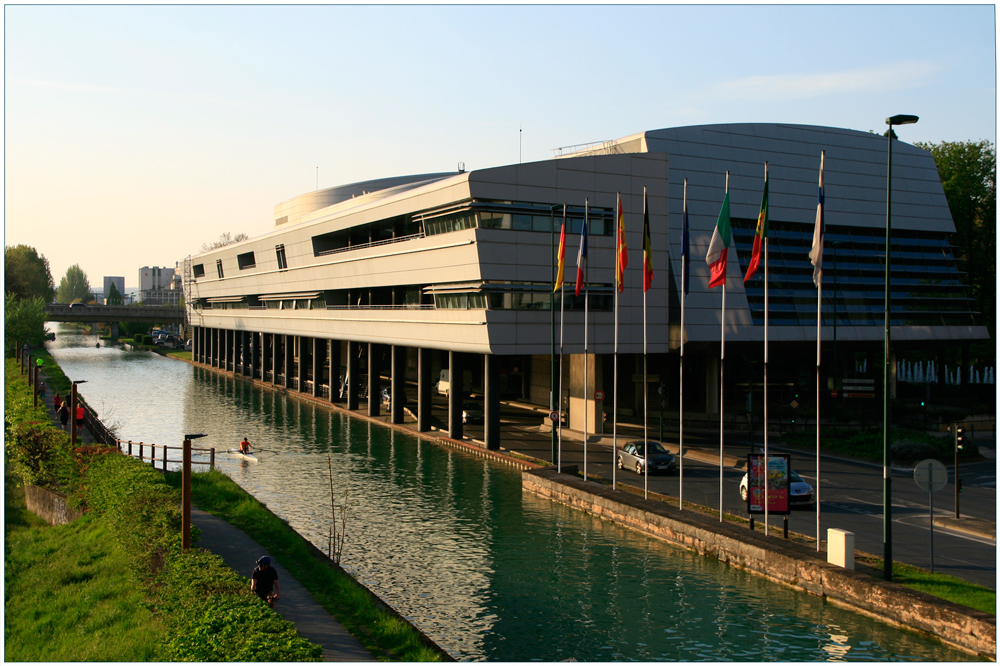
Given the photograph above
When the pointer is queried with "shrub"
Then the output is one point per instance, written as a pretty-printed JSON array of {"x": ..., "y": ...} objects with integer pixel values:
[
  {"x": 217, "y": 618},
  {"x": 912, "y": 452},
  {"x": 143, "y": 511},
  {"x": 33, "y": 451}
]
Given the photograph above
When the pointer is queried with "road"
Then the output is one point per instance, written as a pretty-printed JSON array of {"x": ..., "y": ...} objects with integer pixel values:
[{"x": 850, "y": 491}]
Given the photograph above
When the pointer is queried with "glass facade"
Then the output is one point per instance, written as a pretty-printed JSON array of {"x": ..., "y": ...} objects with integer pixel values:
[{"x": 927, "y": 287}]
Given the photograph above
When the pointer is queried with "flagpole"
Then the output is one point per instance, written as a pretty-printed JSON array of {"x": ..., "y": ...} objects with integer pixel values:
[
  {"x": 645, "y": 377},
  {"x": 586, "y": 310},
  {"x": 562, "y": 311},
  {"x": 819, "y": 325},
  {"x": 680, "y": 499},
  {"x": 722, "y": 368},
  {"x": 767, "y": 517},
  {"x": 619, "y": 273}
]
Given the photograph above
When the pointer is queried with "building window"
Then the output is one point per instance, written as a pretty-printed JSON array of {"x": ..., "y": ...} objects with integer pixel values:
[
  {"x": 198, "y": 270},
  {"x": 245, "y": 261},
  {"x": 279, "y": 250},
  {"x": 218, "y": 267}
]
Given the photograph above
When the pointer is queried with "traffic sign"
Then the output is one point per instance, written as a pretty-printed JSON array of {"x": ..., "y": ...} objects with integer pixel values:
[
  {"x": 553, "y": 416},
  {"x": 930, "y": 475},
  {"x": 599, "y": 395},
  {"x": 833, "y": 393}
]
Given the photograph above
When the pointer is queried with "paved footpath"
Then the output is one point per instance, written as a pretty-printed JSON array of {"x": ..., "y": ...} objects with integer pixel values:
[{"x": 296, "y": 605}]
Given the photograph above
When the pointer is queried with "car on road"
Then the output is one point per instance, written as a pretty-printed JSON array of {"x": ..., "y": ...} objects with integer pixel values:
[
  {"x": 472, "y": 412},
  {"x": 79, "y": 305},
  {"x": 800, "y": 493},
  {"x": 632, "y": 456}
]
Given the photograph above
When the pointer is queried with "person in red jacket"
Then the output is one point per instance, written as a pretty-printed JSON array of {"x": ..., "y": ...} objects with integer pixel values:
[{"x": 80, "y": 413}]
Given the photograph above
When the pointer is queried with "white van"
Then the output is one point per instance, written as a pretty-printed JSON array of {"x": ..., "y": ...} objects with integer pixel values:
[{"x": 444, "y": 381}]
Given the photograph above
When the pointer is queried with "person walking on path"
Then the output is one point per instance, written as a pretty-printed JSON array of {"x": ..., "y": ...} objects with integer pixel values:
[
  {"x": 63, "y": 412},
  {"x": 264, "y": 581},
  {"x": 56, "y": 402},
  {"x": 80, "y": 414}
]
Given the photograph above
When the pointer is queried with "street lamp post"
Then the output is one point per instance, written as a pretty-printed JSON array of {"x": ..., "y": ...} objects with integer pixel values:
[
  {"x": 886, "y": 438},
  {"x": 186, "y": 491}
]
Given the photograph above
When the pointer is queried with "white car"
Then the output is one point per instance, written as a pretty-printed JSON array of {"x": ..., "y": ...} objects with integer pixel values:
[{"x": 800, "y": 492}]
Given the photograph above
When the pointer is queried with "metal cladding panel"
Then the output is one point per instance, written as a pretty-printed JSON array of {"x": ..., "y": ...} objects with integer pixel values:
[{"x": 855, "y": 193}]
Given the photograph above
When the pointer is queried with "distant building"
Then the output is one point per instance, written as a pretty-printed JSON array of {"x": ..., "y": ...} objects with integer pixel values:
[
  {"x": 159, "y": 286},
  {"x": 118, "y": 281}
]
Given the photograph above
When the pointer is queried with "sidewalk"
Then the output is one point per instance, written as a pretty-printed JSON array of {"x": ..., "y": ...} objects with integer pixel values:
[{"x": 296, "y": 605}]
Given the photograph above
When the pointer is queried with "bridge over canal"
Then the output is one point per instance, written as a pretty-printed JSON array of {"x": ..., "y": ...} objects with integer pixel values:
[{"x": 115, "y": 314}]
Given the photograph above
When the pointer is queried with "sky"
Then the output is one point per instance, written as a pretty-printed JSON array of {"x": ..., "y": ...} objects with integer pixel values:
[{"x": 134, "y": 134}]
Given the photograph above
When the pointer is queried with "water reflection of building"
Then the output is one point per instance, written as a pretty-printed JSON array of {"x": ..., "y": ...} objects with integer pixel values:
[{"x": 406, "y": 276}]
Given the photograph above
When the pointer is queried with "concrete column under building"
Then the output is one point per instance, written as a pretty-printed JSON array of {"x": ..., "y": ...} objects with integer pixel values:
[
  {"x": 374, "y": 381},
  {"x": 334, "y": 370},
  {"x": 353, "y": 374},
  {"x": 288, "y": 343},
  {"x": 581, "y": 394},
  {"x": 318, "y": 356},
  {"x": 455, "y": 392},
  {"x": 270, "y": 352},
  {"x": 424, "y": 384},
  {"x": 491, "y": 407},
  {"x": 114, "y": 330},
  {"x": 398, "y": 387},
  {"x": 301, "y": 363},
  {"x": 244, "y": 353}
]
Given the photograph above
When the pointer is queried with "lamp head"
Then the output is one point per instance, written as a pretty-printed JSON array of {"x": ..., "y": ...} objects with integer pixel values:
[
  {"x": 196, "y": 436},
  {"x": 79, "y": 381},
  {"x": 901, "y": 119}
]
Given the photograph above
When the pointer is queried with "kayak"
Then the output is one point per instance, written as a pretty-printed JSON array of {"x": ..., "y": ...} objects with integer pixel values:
[{"x": 245, "y": 456}]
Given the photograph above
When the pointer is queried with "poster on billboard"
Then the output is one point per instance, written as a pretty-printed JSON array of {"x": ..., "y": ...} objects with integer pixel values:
[{"x": 777, "y": 471}]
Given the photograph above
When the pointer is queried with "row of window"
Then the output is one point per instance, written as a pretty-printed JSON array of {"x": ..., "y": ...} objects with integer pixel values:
[{"x": 514, "y": 215}]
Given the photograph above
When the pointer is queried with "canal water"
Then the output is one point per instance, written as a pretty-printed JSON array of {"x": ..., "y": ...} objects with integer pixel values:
[{"x": 452, "y": 543}]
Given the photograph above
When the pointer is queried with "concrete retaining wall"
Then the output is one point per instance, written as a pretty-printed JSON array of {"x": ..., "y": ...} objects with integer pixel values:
[
  {"x": 790, "y": 563},
  {"x": 49, "y": 505}
]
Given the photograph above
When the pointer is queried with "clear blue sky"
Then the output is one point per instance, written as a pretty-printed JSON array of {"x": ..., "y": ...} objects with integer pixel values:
[{"x": 136, "y": 133}]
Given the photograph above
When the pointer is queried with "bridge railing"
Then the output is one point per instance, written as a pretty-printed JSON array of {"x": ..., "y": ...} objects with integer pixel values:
[{"x": 149, "y": 452}]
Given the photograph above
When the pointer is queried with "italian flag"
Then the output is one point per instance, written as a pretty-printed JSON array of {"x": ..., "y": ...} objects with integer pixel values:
[{"x": 718, "y": 249}]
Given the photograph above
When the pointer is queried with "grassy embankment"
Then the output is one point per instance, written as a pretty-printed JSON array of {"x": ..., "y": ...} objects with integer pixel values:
[
  {"x": 115, "y": 585},
  {"x": 380, "y": 630},
  {"x": 68, "y": 593}
]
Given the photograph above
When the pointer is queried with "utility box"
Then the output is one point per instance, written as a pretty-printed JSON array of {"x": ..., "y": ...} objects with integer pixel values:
[{"x": 840, "y": 548}]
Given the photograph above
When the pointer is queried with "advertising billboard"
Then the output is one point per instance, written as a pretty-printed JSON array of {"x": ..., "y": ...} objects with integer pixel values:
[{"x": 777, "y": 470}]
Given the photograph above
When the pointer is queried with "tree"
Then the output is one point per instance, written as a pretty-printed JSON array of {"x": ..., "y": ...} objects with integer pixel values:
[
  {"x": 26, "y": 273},
  {"x": 968, "y": 175},
  {"x": 74, "y": 286},
  {"x": 23, "y": 322},
  {"x": 114, "y": 296},
  {"x": 224, "y": 240}
]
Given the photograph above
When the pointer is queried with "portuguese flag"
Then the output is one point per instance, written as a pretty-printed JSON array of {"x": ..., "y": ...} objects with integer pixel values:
[{"x": 758, "y": 239}]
